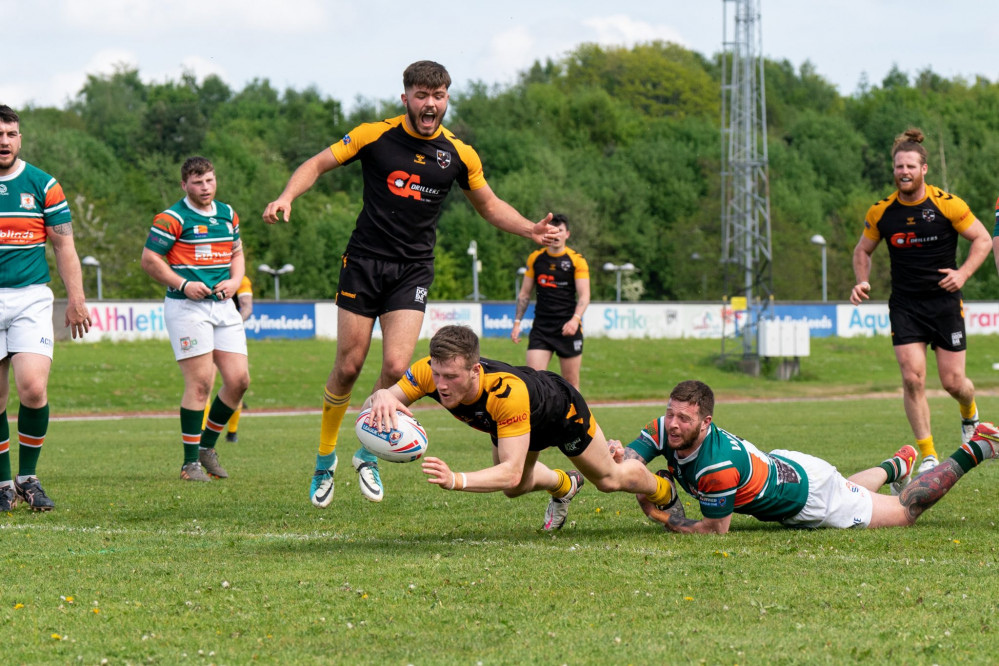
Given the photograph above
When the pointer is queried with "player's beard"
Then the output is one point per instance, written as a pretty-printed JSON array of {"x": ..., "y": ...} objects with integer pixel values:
[
  {"x": 8, "y": 161},
  {"x": 910, "y": 187},
  {"x": 414, "y": 121}
]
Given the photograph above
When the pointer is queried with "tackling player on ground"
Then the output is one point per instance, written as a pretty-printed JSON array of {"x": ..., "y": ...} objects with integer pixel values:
[
  {"x": 409, "y": 164},
  {"x": 727, "y": 474}
]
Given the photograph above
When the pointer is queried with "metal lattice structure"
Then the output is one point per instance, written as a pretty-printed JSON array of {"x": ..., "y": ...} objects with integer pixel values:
[{"x": 746, "y": 248}]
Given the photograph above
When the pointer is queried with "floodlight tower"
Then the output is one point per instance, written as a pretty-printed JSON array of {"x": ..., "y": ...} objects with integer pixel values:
[{"x": 746, "y": 249}]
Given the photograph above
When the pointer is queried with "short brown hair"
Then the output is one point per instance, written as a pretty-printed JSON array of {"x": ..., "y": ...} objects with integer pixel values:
[
  {"x": 911, "y": 140},
  {"x": 426, "y": 74},
  {"x": 696, "y": 393},
  {"x": 560, "y": 218},
  {"x": 195, "y": 166},
  {"x": 451, "y": 342},
  {"x": 9, "y": 115}
]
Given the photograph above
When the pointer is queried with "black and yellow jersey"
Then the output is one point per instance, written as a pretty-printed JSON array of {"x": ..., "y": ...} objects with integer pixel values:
[
  {"x": 921, "y": 237},
  {"x": 406, "y": 179},
  {"x": 512, "y": 401},
  {"x": 555, "y": 278}
]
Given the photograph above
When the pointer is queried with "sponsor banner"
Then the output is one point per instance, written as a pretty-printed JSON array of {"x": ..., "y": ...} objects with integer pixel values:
[
  {"x": 866, "y": 319},
  {"x": 281, "y": 320},
  {"x": 442, "y": 314},
  {"x": 497, "y": 320},
  {"x": 663, "y": 320},
  {"x": 981, "y": 318},
  {"x": 821, "y": 319},
  {"x": 124, "y": 320},
  {"x": 326, "y": 313}
]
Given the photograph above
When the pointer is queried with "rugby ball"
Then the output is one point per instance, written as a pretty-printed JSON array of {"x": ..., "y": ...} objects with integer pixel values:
[{"x": 406, "y": 444}]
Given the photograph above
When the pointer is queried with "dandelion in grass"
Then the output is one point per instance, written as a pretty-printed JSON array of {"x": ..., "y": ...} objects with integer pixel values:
[{"x": 18, "y": 606}]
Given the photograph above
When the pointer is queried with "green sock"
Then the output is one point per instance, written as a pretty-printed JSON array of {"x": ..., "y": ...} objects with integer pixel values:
[
  {"x": 32, "y": 424},
  {"x": 190, "y": 432},
  {"x": 5, "y": 473},
  {"x": 218, "y": 416},
  {"x": 971, "y": 455},
  {"x": 894, "y": 467}
]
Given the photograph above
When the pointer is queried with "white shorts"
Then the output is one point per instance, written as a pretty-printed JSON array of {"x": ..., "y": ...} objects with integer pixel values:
[
  {"x": 832, "y": 500},
  {"x": 201, "y": 327},
  {"x": 26, "y": 320}
]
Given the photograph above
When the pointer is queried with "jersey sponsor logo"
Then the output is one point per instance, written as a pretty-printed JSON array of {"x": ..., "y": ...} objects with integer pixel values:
[
  {"x": 3, "y": 190},
  {"x": 421, "y": 295},
  {"x": 407, "y": 185},
  {"x": 346, "y": 139},
  {"x": 519, "y": 418},
  {"x": 411, "y": 379},
  {"x": 27, "y": 201},
  {"x": 16, "y": 235},
  {"x": 907, "y": 239},
  {"x": 200, "y": 230},
  {"x": 545, "y": 280},
  {"x": 955, "y": 338},
  {"x": 46, "y": 342},
  {"x": 443, "y": 159},
  {"x": 573, "y": 445},
  {"x": 929, "y": 215}
]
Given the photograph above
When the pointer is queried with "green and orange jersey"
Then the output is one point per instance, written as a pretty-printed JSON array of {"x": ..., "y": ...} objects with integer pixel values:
[
  {"x": 555, "y": 278},
  {"x": 198, "y": 246},
  {"x": 30, "y": 202},
  {"x": 406, "y": 179},
  {"x": 511, "y": 401},
  {"x": 921, "y": 237},
  {"x": 728, "y": 474}
]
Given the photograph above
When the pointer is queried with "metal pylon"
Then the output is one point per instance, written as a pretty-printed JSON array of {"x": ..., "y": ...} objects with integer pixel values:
[{"x": 746, "y": 248}]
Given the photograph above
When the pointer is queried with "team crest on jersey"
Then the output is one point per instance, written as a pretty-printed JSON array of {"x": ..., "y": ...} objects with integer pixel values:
[
  {"x": 928, "y": 215},
  {"x": 203, "y": 252},
  {"x": 187, "y": 344},
  {"x": 566, "y": 265},
  {"x": 443, "y": 159},
  {"x": 27, "y": 201}
]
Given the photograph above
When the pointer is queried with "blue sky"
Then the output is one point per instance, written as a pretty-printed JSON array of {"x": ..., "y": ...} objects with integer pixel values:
[{"x": 352, "y": 48}]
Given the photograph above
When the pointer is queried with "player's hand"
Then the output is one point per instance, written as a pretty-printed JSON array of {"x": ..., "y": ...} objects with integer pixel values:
[
  {"x": 438, "y": 472},
  {"x": 616, "y": 450},
  {"x": 77, "y": 318},
  {"x": 225, "y": 289},
  {"x": 543, "y": 233},
  {"x": 952, "y": 280},
  {"x": 861, "y": 292},
  {"x": 515, "y": 333},
  {"x": 384, "y": 406},
  {"x": 197, "y": 291},
  {"x": 274, "y": 209},
  {"x": 570, "y": 327}
]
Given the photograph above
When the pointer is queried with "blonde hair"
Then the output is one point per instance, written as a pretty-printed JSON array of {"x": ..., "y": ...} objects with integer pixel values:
[{"x": 911, "y": 140}]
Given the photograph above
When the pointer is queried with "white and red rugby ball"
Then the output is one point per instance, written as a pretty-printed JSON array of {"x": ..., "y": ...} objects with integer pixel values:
[{"x": 406, "y": 444}]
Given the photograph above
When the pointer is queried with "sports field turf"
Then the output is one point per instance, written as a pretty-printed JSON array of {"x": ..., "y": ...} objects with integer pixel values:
[{"x": 135, "y": 566}]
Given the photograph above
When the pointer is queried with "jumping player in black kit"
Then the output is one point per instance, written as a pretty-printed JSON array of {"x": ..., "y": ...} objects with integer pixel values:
[
  {"x": 921, "y": 224},
  {"x": 563, "y": 279},
  {"x": 409, "y": 164}
]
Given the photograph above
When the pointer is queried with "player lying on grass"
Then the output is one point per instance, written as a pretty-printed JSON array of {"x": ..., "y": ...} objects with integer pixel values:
[
  {"x": 524, "y": 411},
  {"x": 729, "y": 475}
]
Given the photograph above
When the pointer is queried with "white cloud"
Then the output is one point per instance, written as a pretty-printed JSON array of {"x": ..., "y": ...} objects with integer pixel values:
[
  {"x": 509, "y": 52},
  {"x": 622, "y": 30}
]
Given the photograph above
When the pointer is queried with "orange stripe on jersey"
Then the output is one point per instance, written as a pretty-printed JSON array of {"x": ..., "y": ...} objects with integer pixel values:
[
  {"x": 54, "y": 196},
  {"x": 749, "y": 492},
  {"x": 719, "y": 481},
  {"x": 23, "y": 231},
  {"x": 29, "y": 440}
]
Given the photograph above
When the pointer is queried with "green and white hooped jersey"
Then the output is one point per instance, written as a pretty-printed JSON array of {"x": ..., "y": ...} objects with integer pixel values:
[
  {"x": 198, "y": 246},
  {"x": 30, "y": 202}
]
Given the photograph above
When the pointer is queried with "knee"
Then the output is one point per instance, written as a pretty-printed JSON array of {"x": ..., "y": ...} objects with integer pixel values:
[
  {"x": 33, "y": 394},
  {"x": 606, "y": 484},
  {"x": 913, "y": 383}
]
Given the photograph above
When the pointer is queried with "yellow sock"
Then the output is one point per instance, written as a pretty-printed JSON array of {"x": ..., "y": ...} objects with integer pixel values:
[
  {"x": 334, "y": 409},
  {"x": 664, "y": 492},
  {"x": 563, "y": 486},
  {"x": 968, "y": 411},
  {"x": 204, "y": 419},
  {"x": 926, "y": 447},
  {"x": 234, "y": 419}
]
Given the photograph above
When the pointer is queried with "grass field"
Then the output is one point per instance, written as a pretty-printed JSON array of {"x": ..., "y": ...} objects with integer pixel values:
[{"x": 135, "y": 566}]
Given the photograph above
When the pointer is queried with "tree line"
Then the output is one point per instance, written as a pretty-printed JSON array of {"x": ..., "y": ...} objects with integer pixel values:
[{"x": 625, "y": 141}]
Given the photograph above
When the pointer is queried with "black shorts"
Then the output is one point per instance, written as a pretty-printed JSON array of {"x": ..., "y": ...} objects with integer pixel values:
[
  {"x": 371, "y": 287},
  {"x": 935, "y": 320},
  {"x": 573, "y": 432},
  {"x": 551, "y": 339}
]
